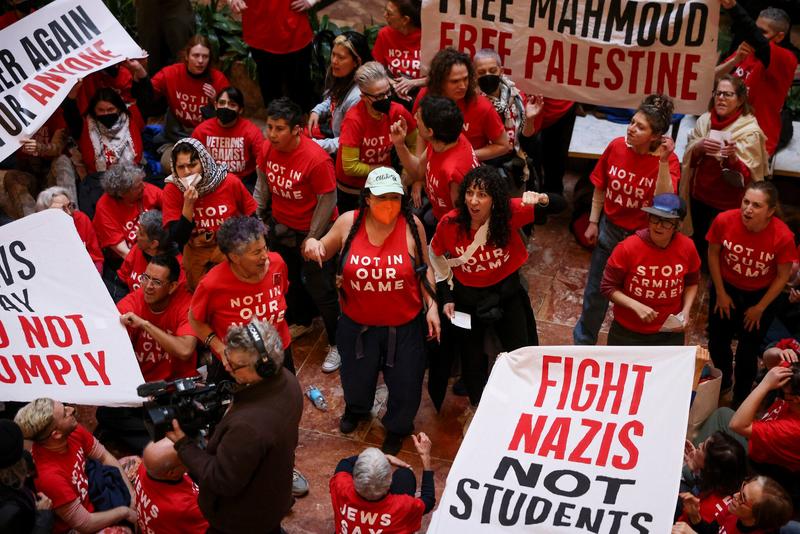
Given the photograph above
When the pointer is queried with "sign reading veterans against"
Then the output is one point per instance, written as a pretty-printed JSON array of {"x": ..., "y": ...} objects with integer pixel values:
[
  {"x": 45, "y": 54},
  {"x": 608, "y": 52},
  {"x": 573, "y": 439},
  {"x": 60, "y": 334}
]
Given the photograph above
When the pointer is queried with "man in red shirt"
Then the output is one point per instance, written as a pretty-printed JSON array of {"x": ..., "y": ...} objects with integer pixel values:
[
  {"x": 61, "y": 448},
  {"x": 166, "y": 498},
  {"x": 296, "y": 197},
  {"x": 766, "y": 68},
  {"x": 279, "y": 36}
]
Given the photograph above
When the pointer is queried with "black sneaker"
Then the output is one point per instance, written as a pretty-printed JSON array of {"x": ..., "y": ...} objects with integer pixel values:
[
  {"x": 392, "y": 443},
  {"x": 348, "y": 422}
]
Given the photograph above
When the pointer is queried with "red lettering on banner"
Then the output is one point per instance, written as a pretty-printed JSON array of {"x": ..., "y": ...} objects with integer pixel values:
[
  {"x": 26, "y": 367},
  {"x": 59, "y": 331},
  {"x": 472, "y": 39}
]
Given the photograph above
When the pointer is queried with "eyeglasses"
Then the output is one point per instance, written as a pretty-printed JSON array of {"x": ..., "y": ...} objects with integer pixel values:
[
  {"x": 741, "y": 497},
  {"x": 145, "y": 280},
  {"x": 233, "y": 368},
  {"x": 724, "y": 94},
  {"x": 663, "y": 223},
  {"x": 381, "y": 96}
]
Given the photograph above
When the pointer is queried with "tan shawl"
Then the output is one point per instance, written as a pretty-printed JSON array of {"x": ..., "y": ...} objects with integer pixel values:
[{"x": 751, "y": 149}]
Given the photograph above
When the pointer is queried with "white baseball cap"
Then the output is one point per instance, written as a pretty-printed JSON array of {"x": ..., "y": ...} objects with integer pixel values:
[{"x": 384, "y": 180}]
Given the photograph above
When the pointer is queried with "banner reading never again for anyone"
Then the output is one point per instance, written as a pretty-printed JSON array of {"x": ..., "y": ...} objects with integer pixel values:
[
  {"x": 606, "y": 52},
  {"x": 45, "y": 54},
  {"x": 570, "y": 439},
  {"x": 60, "y": 334}
]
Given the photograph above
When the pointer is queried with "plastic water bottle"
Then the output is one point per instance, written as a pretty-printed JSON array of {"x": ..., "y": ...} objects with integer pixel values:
[{"x": 317, "y": 398}]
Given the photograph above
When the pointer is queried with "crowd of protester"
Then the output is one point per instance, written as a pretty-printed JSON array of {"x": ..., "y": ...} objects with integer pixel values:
[{"x": 401, "y": 201}]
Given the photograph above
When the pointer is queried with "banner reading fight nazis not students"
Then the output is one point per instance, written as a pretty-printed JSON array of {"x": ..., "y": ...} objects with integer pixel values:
[
  {"x": 573, "y": 439},
  {"x": 607, "y": 52},
  {"x": 60, "y": 334},
  {"x": 43, "y": 55}
]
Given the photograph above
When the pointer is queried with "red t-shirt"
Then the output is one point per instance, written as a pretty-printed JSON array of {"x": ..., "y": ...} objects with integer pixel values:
[
  {"x": 229, "y": 199},
  {"x": 379, "y": 284},
  {"x": 397, "y": 52},
  {"x": 767, "y": 88},
  {"x": 629, "y": 180},
  {"x": 62, "y": 475},
  {"x": 115, "y": 221},
  {"x": 121, "y": 83},
  {"x": 295, "y": 179},
  {"x": 222, "y": 300},
  {"x": 237, "y": 146},
  {"x": 775, "y": 437},
  {"x": 87, "y": 234},
  {"x": 371, "y": 136},
  {"x": 134, "y": 265},
  {"x": 444, "y": 168},
  {"x": 729, "y": 524},
  {"x": 482, "y": 124},
  {"x": 654, "y": 276},
  {"x": 167, "y": 507},
  {"x": 154, "y": 361},
  {"x": 394, "y": 514},
  {"x": 709, "y": 188},
  {"x": 90, "y": 157},
  {"x": 184, "y": 93},
  {"x": 489, "y": 264},
  {"x": 749, "y": 260},
  {"x": 553, "y": 110},
  {"x": 273, "y": 26}
]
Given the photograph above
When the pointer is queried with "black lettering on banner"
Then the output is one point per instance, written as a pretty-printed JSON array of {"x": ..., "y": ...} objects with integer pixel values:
[
  {"x": 64, "y": 41},
  {"x": 34, "y": 55},
  {"x": 676, "y": 26},
  {"x": 542, "y": 11},
  {"x": 84, "y": 22},
  {"x": 570, "y": 22},
  {"x": 488, "y": 502},
  {"x": 50, "y": 49},
  {"x": 594, "y": 16},
  {"x": 653, "y": 11},
  {"x": 462, "y": 494},
  {"x": 620, "y": 20},
  {"x": 696, "y": 10},
  {"x": 15, "y": 249},
  {"x": 11, "y": 67},
  {"x": 529, "y": 478},
  {"x": 561, "y": 518}
]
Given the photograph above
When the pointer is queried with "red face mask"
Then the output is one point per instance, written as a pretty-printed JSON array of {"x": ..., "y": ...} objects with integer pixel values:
[{"x": 385, "y": 211}]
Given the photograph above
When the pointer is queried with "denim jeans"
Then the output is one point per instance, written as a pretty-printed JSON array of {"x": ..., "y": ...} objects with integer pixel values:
[{"x": 595, "y": 305}]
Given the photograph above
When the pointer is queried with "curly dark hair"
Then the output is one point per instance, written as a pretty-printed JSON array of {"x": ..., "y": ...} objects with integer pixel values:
[
  {"x": 657, "y": 109},
  {"x": 488, "y": 179},
  {"x": 441, "y": 65},
  {"x": 410, "y": 9},
  {"x": 725, "y": 465},
  {"x": 420, "y": 267}
]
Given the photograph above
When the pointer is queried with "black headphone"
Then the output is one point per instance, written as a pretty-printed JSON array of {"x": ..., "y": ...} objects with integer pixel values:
[{"x": 265, "y": 367}]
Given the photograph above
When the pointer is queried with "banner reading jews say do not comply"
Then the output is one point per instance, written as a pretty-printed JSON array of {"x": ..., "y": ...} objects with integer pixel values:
[
  {"x": 43, "y": 55},
  {"x": 573, "y": 439},
  {"x": 606, "y": 52},
  {"x": 60, "y": 334}
]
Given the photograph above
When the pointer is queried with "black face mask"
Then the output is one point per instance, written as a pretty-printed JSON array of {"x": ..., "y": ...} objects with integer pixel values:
[
  {"x": 489, "y": 83},
  {"x": 382, "y": 105},
  {"x": 108, "y": 120},
  {"x": 226, "y": 115}
]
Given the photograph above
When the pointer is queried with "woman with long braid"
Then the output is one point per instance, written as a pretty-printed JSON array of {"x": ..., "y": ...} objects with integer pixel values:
[{"x": 387, "y": 297}]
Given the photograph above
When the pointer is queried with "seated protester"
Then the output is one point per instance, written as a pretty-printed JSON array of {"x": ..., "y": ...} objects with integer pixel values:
[
  {"x": 199, "y": 196},
  {"x": 761, "y": 506},
  {"x": 152, "y": 239},
  {"x": 188, "y": 87},
  {"x": 397, "y": 47},
  {"x": 741, "y": 301},
  {"x": 38, "y": 153},
  {"x": 349, "y": 51},
  {"x": 62, "y": 450},
  {"x": 230, "y": 138},
  {"x": 446, "y": 160},
  {"x": 652, "y": 278},
  {"x": 453, "y": 76},
  {"x": 22, "y": 509},
  {"x": 773, "y": 438},
  {"x": 157, "y": 318},
  {"x": 716, "y": 174},
  {"x": 766, "y": 68},
  {"x": 366, "y": 484},
  {"x": 116, "y": 77},
  {"x": 712, "y": 472},
  {"x": 108, "y": 134},
  {"x": 59, "y": 198},
  {"x": 485, "y": 223},
  {"x": 117, "y": 213},
  {"x": 166, "y": 498},
  {"x": 296, "y": 196},
  {"x": 364, "y": 142},
  {"x": 647, "y": 155}
]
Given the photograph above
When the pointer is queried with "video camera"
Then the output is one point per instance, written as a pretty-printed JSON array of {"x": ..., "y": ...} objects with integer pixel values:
[{"x": 197, "y": 407}]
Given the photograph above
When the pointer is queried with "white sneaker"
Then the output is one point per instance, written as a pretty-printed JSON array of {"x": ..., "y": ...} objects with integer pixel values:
[{"x": 332, "y": 360}]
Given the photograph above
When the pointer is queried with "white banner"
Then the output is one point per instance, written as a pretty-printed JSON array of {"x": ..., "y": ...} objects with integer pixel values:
[
  {"x": 45, "y": 54},
  {"x": 573, "y": 439},
  {"x": 60, "y": 334},
  {"x": 606, "y": 52}
]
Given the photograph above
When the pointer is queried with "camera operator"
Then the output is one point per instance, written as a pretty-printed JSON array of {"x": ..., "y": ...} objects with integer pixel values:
[{"x": 245, "y": 472}]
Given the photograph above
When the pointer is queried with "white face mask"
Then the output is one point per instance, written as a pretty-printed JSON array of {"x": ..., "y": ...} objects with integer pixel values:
[{"x": 190, "y": 180}]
